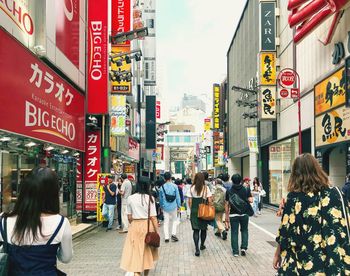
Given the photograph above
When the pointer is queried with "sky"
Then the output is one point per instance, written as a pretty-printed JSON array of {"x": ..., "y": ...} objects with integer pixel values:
[{"x": 193, "y": 37}]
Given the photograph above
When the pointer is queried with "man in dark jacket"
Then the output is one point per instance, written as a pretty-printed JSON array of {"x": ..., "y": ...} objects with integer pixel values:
[
  {"x": 236, "y": 218},
  {"x": 346, "y": 188}
]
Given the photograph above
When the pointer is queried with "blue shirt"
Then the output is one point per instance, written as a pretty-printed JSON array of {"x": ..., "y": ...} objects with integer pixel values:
[
  {"x": 170, "y": 189},
  {"x": 109, "y": 199}
]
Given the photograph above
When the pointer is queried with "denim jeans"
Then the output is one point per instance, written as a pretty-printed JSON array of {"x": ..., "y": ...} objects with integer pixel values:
[
  {"x": 108, "y": 213},
  {"x": 256, "y": 205},
  {"x": 235, "y": 222}
]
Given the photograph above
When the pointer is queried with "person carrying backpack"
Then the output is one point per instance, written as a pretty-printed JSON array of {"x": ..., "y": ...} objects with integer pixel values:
[
  {"x": 346, "y": 187},
  {"x": 219, "y": 204},
  {"x": 238, "y": 210}
]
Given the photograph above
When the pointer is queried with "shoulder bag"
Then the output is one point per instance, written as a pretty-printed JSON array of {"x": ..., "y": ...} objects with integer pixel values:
[
  {"x": 205, "y": 210},
  {"x": 345, "y": 212},
  {"x": 152, "y": 238},
  {"x": 169, "y": 198},
  {"x": 4, "y": 257}
]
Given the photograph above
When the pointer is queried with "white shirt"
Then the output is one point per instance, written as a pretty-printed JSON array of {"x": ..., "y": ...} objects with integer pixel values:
[
  {"x": 138, "y": 206},
  {"x": 193, "y": 193},
  {"x": 127, "y": 189},
  {"x": 49, "y": 225}
]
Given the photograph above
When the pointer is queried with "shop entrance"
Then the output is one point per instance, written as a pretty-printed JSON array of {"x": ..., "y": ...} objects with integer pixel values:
[{"x": 337, "y": 168}]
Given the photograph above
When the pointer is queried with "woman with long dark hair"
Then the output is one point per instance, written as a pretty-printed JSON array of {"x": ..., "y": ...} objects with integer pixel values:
[
  {"x": 36, "y": 234},
  {"x": 313, "y": 237},
  {"x": 137, "y": 256},
  {"x": 198, "y": 192}
]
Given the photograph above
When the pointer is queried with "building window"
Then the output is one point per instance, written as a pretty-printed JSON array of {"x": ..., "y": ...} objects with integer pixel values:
[
  {"x": 177, "y": 139},
  {"x": 281, "y": 159},
  {"x": 170, "y": 139},
  {"x": 187, "y": 139}
]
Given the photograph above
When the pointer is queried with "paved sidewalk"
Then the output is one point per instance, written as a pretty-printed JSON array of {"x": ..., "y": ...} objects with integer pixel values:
[{"x": 99, "y": 253}]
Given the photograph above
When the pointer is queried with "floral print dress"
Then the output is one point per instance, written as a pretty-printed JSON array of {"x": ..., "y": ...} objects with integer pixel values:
[{"x": 313, "y": 235}]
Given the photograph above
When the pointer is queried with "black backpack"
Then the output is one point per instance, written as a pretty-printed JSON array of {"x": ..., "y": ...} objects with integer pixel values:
[
  {"x": 169, "y": 198},
  {"x": 239, "y": 205}
]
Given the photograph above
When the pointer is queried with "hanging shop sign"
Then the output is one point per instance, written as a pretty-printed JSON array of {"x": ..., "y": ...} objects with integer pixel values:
[
  {"x": 267, "y": 26},
  {"x": 118, "y": 115},
  {"x": 97, "y": 57},
  {"x": 158, "y": 109},
  {"x": 160, "y": 153},
  {"x": 332, "y": 127},
  {"x": 79, "y": 190},
  {"x": 330, "y": 92},
  {"x": 216, "y": 108},
  {"x": 92, "y": 168},
  {"x": 120, "y": 86},
  {"x": 267, "y": 68},
  {"x": 102, "y": 181},
  {"x": 68, "y": 18},
  {"x": 288, "y": 84},
  {"x": 38, "y": 102},
  {"x": 267, "y": 103},
  {"x": 218, "y": 148},
  {"x": 207, "y": 124},
  {"x": 134, "y": 149},
  {"x": 121, "y": 17},
  {"x": 347, "y": 82},
  {"x": 252, "y": 139}
]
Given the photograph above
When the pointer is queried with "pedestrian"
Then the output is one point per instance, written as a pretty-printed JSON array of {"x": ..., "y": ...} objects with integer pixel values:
[
  {"x": 256, "y": 199},
  {"x": 236, "y": 218},
  {"x": 170, "y": 202},
  {"x": 188, "y": 184},
  {"x": 226, "y": 181},
  {"x": 178, "y": 183},
  {"x": 119, "y": 203},
  {"x": 138, "y": 257},
  {"x": 125, "y": 192},
  {"x": 346, "y": 188},
  {"x": 262, "y": 193},
  {"x": 110, "y": 190},
  {"x": 198, "y": 193},
  {"x": 207, "y": 182},
  {"x": 246, "y": 183},
  {"x": 36, "y": 234},
  {"x": 219, "y": 204},
  {"x": 313, "y": 237}
]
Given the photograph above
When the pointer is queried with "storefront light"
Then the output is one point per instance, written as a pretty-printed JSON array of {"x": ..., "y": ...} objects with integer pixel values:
[
  {"x": 76, "y": 154},
  {"x": 64, "y": 151},
  {"x": 48, "y": 148},
  {"x": 5, "y": 139},
  {"x": 30, "y": 144}
]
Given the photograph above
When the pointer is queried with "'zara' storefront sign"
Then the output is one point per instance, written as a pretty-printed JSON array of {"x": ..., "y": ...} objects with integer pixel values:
[{"x": 267, "y": 26}]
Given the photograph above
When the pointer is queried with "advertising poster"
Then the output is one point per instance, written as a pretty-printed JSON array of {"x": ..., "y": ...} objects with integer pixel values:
[
  {"x": 330, "y": 92},
  {"x": 118, "y": 115},
  {"x": 267, "y": 68},
  {"x": 121, "y": 86},
  {"x": 134, "y": 149},
  {"x": 102, "y": 180},
  {"x": 267, "y": 103},
  {"x": 252, "y": 139}
]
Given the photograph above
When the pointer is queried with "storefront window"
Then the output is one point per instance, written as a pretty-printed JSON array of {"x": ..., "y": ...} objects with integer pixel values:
[{"x": 282, "y": 155}]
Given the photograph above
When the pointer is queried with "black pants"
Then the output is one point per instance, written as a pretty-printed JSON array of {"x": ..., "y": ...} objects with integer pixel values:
[
  {"x": 196, "y": 237},
  {"x": 119, "y": 210}
]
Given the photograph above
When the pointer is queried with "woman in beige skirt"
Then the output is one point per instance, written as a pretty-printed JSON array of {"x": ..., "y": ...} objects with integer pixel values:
[{"x": 137, "y": 256}]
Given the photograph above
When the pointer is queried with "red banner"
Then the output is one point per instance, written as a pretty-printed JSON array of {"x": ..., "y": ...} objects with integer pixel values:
[
  {"x": 79, "y": 191},
  {"x": 92, "y": 168},
  {"x": 121, "y": 10},
  {"x": 158, "y": 110},
  {"x": 97, "y": 57},
  {"x": 36, "y": 101},
  {"x": 67, "y": 18},
  {"x": 134, "y": 149}
]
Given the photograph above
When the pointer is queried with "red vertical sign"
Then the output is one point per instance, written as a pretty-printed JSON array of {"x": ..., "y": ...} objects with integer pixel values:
[
  {"x": 158, "y": 110},
  {"x": 92, "y": 168},
  {"x": 97, "y": 57},
  {"x": 121, "y": 10},
  {"x": 79, "y": 192}
]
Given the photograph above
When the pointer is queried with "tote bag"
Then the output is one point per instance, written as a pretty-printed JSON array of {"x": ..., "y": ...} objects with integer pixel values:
[{"x": 205, "y": 210}]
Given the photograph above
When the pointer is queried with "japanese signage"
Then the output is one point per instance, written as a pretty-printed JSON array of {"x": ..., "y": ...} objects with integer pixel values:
[
  {"x": 67, "y": 18},
  {"x": 216, "y": 109},
  {"x": 332, "y": 127},
  {"x": 38, "y": 102},
  {"x": 267, "y": 102},
  {"x": 288, "y": 84},
  {"x": 330, "y": 92},
  {"x": 129, "y": 168},
  {"x": 252, "y": 139},
  {"x": 207, "y": 124},
  {"x": 160, "y": 153},
  {"x": 79, "y": 191},
  {"x": 92, "y": 168},
  {"x": 157, "y": 109},
  {"x": 218, "y": 148},
  {"x": 134, "y": 149},
  {"x": 102, "y": 181},
  {"x": 118, "y": 115},
  {"x": 97, "y": 57},
  {"x": 121, "y": 12},
  {"x": 267, "y": 68},
  {"x": 120, "y": 86},
  {"x": 267, "y": 26}
]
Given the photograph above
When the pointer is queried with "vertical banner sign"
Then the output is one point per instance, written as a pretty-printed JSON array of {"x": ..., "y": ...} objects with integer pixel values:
[
  {"x": 134, "y": 149},
  {"x": 150, "y": 122},
  {"x": 252, "y": 139},
  {"x": 347, "y": 80},
  {"x": 218, "y": 148},
  {"x": 97, "y": 57},
  {"x": 207, "y": 124},
  {"x": 267, "y": 26},
  {"x": 267, "y": 103},
  {"x": 120, "y": 86},
  {"x": 149, "y": 50},
  {"x": 216, "y": 108},
  {"x": 92, "y": 168},
  {"x": 267, "y": 68},
  {"x": 118, "y": 115},
  {"x": 79, "y": 192},
  {"x": 102, "y": 181},
  {"x": 67, "y": 18},
  {"x": 121, "y": 17},
  {"x": 158, "y": 110}
]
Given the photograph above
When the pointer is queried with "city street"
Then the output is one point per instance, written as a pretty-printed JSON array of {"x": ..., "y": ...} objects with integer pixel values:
[{"x": 99, "y": 253}]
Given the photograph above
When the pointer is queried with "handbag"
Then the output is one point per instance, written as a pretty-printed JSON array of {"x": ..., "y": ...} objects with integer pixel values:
[
  {"x": 4, "y": 257},
  {"x": 205, "y": 210},
  {"x": 345, "y": 212},
  {"x": 152, "y": 238},
  {"x": 169, "y": 198}
]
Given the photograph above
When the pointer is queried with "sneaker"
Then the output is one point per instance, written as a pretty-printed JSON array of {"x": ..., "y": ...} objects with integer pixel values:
[
  {"x": 174, "y": 238},
  {"x": 108, "y": 229},
  {"x": 243, "y": 253},
  {"x": 123, "y": 231},
  {"x": 166, "y": 240},
  {"x": 202, "y": 247},
  {"x": 218, "y": 234},
  {"x": 224, "y": 235},
  {"x": 235, "y": 255},
  {"x": 197, "y": 253},
  {"x": 118, "y": 227}
]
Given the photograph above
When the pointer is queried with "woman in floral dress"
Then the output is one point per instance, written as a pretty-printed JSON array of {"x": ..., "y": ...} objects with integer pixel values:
[{"x": 312, "y": 238}]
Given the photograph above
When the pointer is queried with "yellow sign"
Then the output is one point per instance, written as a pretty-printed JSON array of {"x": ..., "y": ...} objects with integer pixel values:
[
  {"x": 216, "y": 109},
  {"x": 207, "y": 124},
  {"x": 268, "y": 68},
  {"x": 102, "y": 180},
  {"x": 252, "y": 139},
  {"x": 330, "y": 92},
  {"x": 333, "y": 126},
  {"x": 120, "y": 87}
]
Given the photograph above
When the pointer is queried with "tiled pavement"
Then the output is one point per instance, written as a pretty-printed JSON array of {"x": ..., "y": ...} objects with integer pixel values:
[{"x": 99, "y": 253}]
